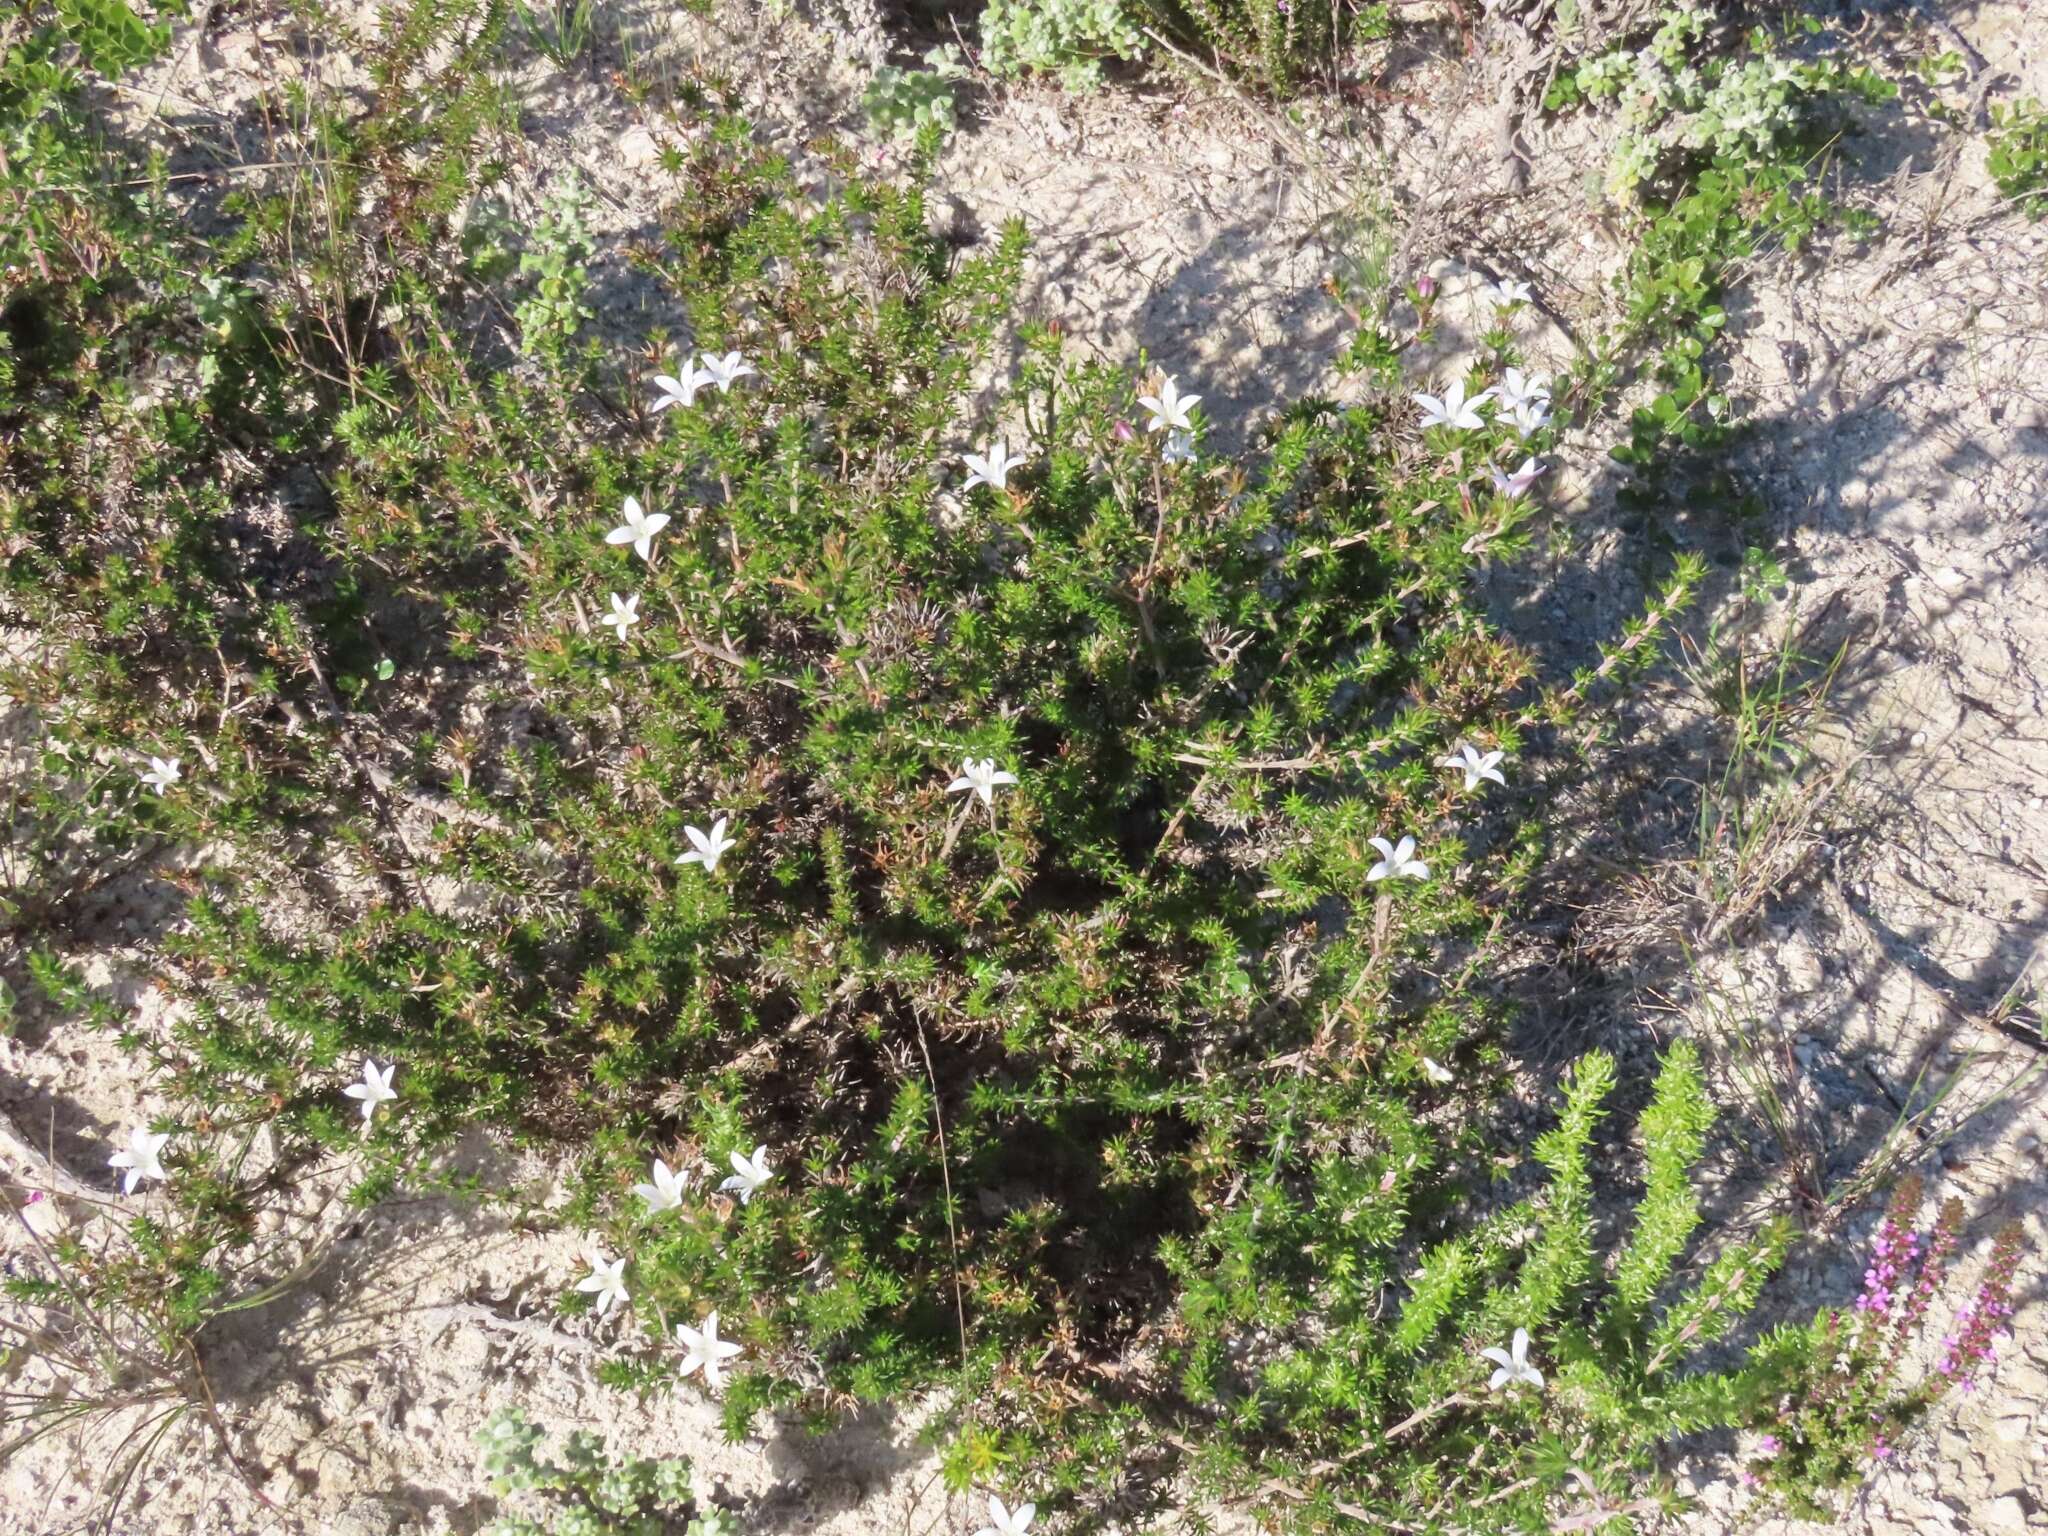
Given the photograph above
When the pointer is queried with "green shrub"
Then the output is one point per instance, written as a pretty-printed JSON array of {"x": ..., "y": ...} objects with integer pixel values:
[
  {"x": 669, "y": 756},
  {"x": 2019, "y": 155},
  {"x": 1279, "y": 44}
]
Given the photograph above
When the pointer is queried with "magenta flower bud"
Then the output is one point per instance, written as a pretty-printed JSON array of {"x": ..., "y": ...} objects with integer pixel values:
[
  {"x": 1425, "y": 287},
  {"x": 1122, "y": 431}
]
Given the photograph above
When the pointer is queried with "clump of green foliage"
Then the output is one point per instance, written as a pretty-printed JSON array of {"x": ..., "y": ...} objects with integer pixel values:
[
  {"x": 585, "y": 1492},
  {"x": 1067, "y": 38},
  {"x": 906, "y": 103},
  {"x": 2019, "y": 155},
  {"x": 1715, "y": 162},
  {"x": 1682, "y": 94}
]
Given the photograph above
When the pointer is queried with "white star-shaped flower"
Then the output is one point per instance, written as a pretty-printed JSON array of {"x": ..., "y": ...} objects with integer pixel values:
[
  {"x": 705, "y": 1351},
  {"x": 1453, "y": 410},
  {"x": 1529, "y": 416},
  {"x": 606, "y": 1281},
  {"x": 1179, "y": 449},
  {"x": 707, "y": 848},
  {"x": 141, "y": 1158},
  {"x": 1436, "y": 1071},
  {"x": 680, "y": 390},
  {"x": 749, "y": 1175},
  {"x": 1396, "y": 860},
  {"x": 981, "y": 777},
  {"x": 163, "y": 773},
  {"x": 1169, "y": 408},
  {"x": 1005, "y": 1521},
  {"x": 992, "y": 468},
  {"x": 727, "y": 370},
  {"x": 1519, "y": 481},
  {"x": 375, "y": 1088},
  {"x": 1515, "y": 1369},
  {"x": 1517, "y": 386},
  {"x": 1508, "y": 291},
  {"x": 638, "y": 529},
  {"x": 1476, "y": 765},
  {"x": 667, "y": 1190},
  {"x": 624, "y": 615}
]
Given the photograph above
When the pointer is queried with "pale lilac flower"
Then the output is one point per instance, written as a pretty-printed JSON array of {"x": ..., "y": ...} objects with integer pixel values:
[
  {"x": 1453, "y": 410},
  {"x": 1179, "y": 449},
  {"x": 991, "y": 469},
  {"x": 1475, "y": 765},
  {"x": 749, "y": 1175},
  {"x": 624, "y": 615},
  {"x": 606, "y": 1281},
  {"x": 638, "y": 529},
  {"x": 1518, "y": 386},
  {"x": 667, "y": 1190},
  {"x": 707, "y": 848},
  {"x": 163, "y": 773},
  {"x": 680, "y": 390},
  {"x": 1437, "y": 1072},
  {"x": 705, "y": 1351},
  {"x": 141, "y": 1158},
  {"x": 375, "y": 1089},
  {"x": 1004, "y": 1521},
  {"x": 1169, "y": 408},
  {"x": 1515, "y": 1369},
  {"x": 727, "y": 370},
  {"x": 1519, "y": 481},
  {"x": 981, "y": 777},
  {"x": 1508, "y": 291},
  {"x": 1396, "y": 860}
]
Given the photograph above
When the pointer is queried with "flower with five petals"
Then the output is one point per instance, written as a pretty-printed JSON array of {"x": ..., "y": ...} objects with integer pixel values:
[
  {"x": 727, "y": 370},
  {"x": 749, "y": 1175},
  {"x": 606, "y": 1281},
  {"x": 141, "y": 1158},
  {"x": 375, "y": 1089},
  {"x": 638, "y": 529},
  {"x": 1453, "y": 409},
  {"x": 705, "y": 1351},
  {"x": 1516, "y": 386},
  {"x": 981, "y": 777},
  {"x": 1396, "y": 860},
  {"x": 624, "y": 615},
  {"x": 707, "y": 848},
  {"x": 667, "y": 1190},
  {"x": 1476, "y": 765},
  {"x": 1169, "y": 408},
  {"x": 1515, "y": 1369},
  {"x": 1515, "y": 483},
  {"x": 992, "y": 468},
  {"x": 680, "y": 390}
]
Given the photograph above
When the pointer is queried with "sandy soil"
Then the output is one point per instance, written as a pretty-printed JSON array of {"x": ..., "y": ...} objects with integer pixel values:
[{"x": 1900, "y": 450}]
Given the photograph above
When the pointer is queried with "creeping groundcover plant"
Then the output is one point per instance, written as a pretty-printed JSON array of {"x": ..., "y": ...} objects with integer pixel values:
[{"x": 979, "y": 890}]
